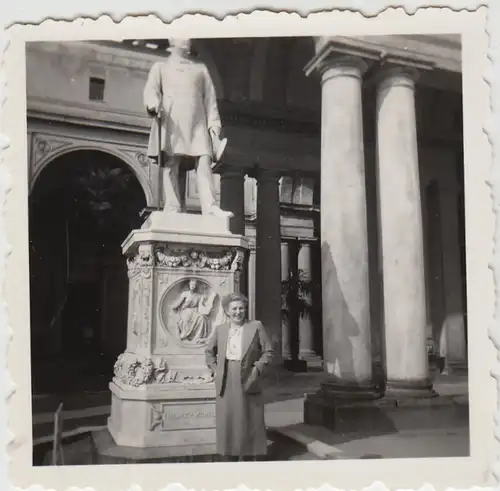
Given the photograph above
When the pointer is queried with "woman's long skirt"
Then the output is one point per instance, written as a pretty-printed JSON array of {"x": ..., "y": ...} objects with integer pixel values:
[{"x": 241, "y": 429}]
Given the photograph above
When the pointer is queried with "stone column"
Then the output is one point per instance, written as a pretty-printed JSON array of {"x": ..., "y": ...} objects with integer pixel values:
[
  {"x": 251, "y": 282},
  {"x": 306, "y": 327},
  {"x": 268, "y": 259},
  {"x": 401, "y": 234},
  {"x": 453, "y": 345},
  {"x": 285, "y": 324},
  {"x": 232, "y": 196},
  {"x": 344, "y": 241}
]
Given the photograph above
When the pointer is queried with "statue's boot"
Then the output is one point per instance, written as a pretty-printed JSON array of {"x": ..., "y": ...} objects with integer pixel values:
[{"x": 218, "y": 212}]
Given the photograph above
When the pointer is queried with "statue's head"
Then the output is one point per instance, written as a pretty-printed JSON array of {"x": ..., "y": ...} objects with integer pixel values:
[
  {"x": 193, "y": 284},
  {"x": 178, "y": 44}
]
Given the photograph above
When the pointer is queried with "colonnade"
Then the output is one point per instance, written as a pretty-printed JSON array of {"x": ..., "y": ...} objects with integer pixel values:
[
  {"x": 347, "y": 351},
  {"x": 299, "y": 300}
]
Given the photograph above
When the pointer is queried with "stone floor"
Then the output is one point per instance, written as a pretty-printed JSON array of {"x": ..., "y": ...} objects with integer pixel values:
[{"x": 289, "y": 437}]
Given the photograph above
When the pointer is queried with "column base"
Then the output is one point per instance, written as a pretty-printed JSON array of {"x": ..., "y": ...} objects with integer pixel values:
[
  {"x": 309, "y": 355},
  {"x": 338, "y": 389},
  {"x": 396, "y": 389},
  {"x": 279, "y": 373},
  {"x": 384, "y": 415},
  {"x": 296, "y": 365},
  {"x": 455, "y": 368}
]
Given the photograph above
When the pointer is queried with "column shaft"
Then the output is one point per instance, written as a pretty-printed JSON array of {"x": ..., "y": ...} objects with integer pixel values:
[
  {"x": 453, "y": 342},
  {"x": 344, "y": 241},
  {"x": 285, "y": 277},
  {"x": 401, "y": 235},
  {"x": 251, "y": 283},
  {"x": 268, "y": 259},
  {"x": 306, "y": 327},
  {"x": 232, "y": 197}
]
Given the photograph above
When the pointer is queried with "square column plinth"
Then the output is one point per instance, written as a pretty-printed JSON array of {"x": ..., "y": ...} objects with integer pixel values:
[{"x": 180, "y": 267}]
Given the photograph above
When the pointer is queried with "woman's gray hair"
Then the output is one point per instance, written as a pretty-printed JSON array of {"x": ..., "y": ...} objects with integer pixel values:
[{"x": 234, "y": 297}]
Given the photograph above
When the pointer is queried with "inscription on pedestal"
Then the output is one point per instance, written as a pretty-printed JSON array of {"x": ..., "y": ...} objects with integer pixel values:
[{"x": 165, "y": 417}]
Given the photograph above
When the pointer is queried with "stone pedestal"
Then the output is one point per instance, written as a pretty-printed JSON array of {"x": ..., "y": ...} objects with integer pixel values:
[{"x": 180, "y": 266}]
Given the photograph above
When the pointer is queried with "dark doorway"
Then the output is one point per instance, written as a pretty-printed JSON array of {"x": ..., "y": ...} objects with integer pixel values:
[{"x": 82, "y": 207}]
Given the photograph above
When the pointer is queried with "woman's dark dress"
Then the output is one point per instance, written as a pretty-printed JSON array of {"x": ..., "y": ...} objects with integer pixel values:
[{"x": 241, "y": 429}]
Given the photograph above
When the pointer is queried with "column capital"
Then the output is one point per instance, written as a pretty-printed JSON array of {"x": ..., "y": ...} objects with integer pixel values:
[
  {"x": 342, "y": 66},
  {"x": 399, "y": 71},
  {"x": 337, "y": 64},
  {"x": 226, "y": 170},
  {"x": 266, "y": 175},
  {"x": 305, "y": 245},
  {"x": 331, "y": 50}
]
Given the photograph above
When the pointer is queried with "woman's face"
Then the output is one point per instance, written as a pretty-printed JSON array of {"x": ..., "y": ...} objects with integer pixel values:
[
  {"x": 236, "y": 312},
  {"x": 192, "y": 285}
]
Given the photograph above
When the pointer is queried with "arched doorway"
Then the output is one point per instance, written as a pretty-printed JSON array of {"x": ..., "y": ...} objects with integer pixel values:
[{"x": 82, "y": 207}]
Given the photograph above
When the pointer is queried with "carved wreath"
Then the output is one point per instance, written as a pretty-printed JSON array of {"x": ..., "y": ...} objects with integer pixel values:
[
  {"x": 136, "y": 370},
  {"x": 142, "y": 261},
  {"x": 192, "y": 259},
  {"x": 133, "y": 370}
]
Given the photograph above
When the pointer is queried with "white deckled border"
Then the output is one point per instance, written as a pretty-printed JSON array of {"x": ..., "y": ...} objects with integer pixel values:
[{"x": 232, "y": 26}]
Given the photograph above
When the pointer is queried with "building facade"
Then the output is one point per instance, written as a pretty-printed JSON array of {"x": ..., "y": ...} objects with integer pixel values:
[{"x": 344, "y": 167}]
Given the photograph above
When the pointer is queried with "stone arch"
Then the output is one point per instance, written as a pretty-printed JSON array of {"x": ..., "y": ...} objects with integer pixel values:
[
  {"x": 70, "y": 148},
  {"x": 81, "y": 208}
]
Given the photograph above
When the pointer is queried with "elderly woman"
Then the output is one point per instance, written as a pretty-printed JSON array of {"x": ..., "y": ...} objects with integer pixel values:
[{"x": 238, "y": 353}]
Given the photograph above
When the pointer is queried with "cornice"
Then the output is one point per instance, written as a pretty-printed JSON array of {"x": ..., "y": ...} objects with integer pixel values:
[
  {"x": 372, "y": 52},
  {"x": 339, "y": 47},
  {"x": 283, "y": 120},
  {"x": 108, "y": 54}
]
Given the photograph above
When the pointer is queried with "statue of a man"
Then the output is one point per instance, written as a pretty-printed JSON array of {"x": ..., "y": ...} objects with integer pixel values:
[{"x": 180, "y": 90}]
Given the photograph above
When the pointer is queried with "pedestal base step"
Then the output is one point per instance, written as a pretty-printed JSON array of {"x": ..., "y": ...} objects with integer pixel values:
[
  {"x": 106, "y": 451},
  {"x": 385, "y": 414}
]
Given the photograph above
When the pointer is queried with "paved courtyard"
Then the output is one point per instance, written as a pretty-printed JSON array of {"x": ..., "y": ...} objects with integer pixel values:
[{"x": 291, "y": 439}]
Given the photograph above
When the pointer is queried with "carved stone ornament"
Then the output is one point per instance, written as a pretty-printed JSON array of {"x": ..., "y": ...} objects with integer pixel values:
[
  {"x": 192, "y": 258},
  {"x": 44, "y": 146},
  {"x": 237, "y": 264},
  {"x": 156, "y": 417},
  {"x": 136, "y": 370},
  {"x": 142, "y": 159},
  {"x": 141, "y": 262},
  {"x": 133, "y": 370}
]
